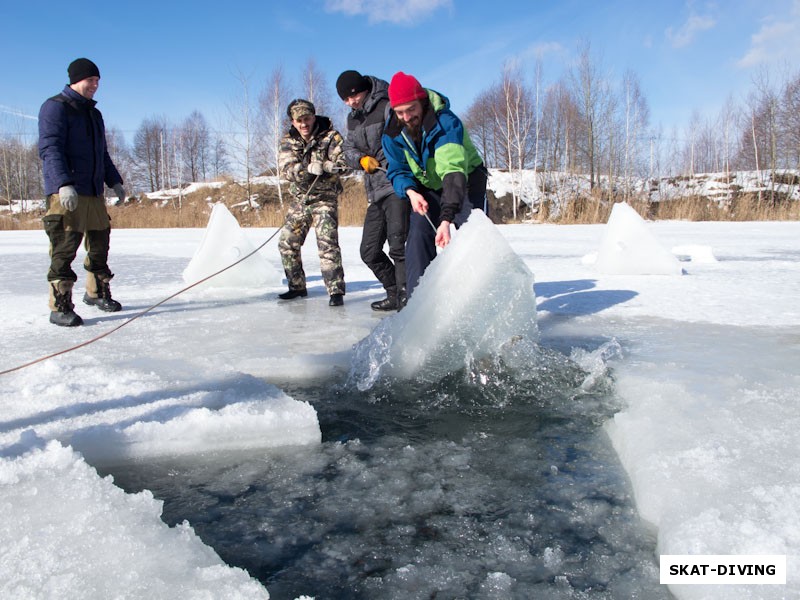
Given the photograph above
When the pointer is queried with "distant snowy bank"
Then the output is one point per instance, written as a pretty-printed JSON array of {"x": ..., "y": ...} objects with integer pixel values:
[{"x": 532, "y": 188}]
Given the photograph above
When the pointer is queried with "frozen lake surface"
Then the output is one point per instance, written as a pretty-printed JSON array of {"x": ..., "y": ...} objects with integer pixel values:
[{"x": 656, "y": 415}]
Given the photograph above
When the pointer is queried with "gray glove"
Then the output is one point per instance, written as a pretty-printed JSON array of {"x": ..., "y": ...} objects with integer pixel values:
[
  {"x": 315, "y": 168},
  {"x": 120, "y": 192},
  {"x": 68, "y": 196},
  {"x": 329, "y": 166}
]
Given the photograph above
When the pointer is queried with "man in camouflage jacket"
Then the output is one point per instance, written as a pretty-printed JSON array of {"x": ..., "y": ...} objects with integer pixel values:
[{"x": 310, "y": 160}]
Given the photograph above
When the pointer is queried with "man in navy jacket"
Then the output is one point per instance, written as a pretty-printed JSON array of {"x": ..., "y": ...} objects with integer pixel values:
[{"x": 76, "y": 166}]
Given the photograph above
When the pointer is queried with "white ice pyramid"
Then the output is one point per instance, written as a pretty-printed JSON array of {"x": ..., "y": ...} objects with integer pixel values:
[
  {"x": 629, "y": 248},
  {"x": 224, "y": 242},
  {"x": 474, "y": 298}
]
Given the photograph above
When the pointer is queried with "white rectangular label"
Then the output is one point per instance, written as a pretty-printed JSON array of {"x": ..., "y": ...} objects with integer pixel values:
[{"x": 718, "y": 569}]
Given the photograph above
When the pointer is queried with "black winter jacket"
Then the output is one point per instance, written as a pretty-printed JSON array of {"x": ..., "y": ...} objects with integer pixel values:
[{"x": 364, "y": 131}]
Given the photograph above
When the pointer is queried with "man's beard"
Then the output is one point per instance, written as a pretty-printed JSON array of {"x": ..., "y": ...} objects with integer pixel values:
[{"x": 415, "y": 129}]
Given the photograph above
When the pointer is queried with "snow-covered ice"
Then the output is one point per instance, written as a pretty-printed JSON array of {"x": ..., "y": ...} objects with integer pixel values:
[{"x": 707, "y": 373}]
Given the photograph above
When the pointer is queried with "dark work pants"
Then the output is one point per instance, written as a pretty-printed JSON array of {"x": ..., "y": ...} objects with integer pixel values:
[
  {"x": 64, "y": 246},
  {"x": 386, "y": 221},
  {"x": 476, "y": 189},
  {"x": 420, "y": 245}
]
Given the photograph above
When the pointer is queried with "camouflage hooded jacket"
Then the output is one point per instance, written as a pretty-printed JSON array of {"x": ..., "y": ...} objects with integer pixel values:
[{"x": 296, "y": 154}]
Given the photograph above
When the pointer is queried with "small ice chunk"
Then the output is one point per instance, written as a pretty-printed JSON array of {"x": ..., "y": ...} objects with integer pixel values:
[
  {"x": 628, "y": 247},
  {"x": 223, "y": 244}
]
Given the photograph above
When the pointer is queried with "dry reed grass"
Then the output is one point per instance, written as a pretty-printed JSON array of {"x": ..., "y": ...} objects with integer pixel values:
[
  {"x": 265, "y": 209},
  {"x": 596, "y": 208}
]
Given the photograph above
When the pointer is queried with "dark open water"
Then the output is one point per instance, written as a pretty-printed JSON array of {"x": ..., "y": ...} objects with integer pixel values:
[{"x": 497, "y": 482}]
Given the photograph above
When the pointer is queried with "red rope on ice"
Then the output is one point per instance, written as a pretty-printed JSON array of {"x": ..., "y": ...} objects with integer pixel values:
[{"x": 136, "y": 316}]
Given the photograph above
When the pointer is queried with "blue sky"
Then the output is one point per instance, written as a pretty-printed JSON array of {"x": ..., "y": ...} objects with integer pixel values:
[{"x": 170, "y": 58}]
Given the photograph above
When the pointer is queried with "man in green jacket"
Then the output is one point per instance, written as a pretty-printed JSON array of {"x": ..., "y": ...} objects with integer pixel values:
[{"x": 434, "y": 165}]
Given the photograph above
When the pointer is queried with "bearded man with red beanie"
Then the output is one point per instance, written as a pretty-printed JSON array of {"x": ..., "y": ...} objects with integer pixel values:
[{"x": 432, "y": 163}]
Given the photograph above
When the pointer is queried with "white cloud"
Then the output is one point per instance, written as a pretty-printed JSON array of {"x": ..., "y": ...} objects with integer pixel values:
[
  {"x": 777, "y": 39},
  {"x": 537, "y": 52},
  {"x": 402, "y": 12},
  {"x": 542, "y": 49},
  {"x": 687, "y": 32},
  {"x": 16, "y": 113}
]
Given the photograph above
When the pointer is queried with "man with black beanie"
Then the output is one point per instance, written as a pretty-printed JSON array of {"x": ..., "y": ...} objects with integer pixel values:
[
  {"x": 387, "y": 215},
  {"x": 76, "y": 165}
]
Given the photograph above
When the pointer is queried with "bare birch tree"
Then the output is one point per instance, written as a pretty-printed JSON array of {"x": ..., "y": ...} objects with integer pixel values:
[
  {"x": 195, "y": 142},
  {"x": 790, "y": 122},
  {"x": 636, "y": 119},
  {"x": 479, "y": 121},
  {"x": 586, "y": 84},
  {"x": 315, "y": 88},
  {"x": 242, "y": 141},
  {"x": 148, "y": 154},
  {"x": 272, "y": 124},
  {"x": 510, "y": 106}
]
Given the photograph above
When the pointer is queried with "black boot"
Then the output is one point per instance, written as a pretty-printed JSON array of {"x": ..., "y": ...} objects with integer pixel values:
[
  {"x": 62, "y": 311},
  {"x": 98, "y": 293},
  {"x": 336, "y": 300},
  {"x": 292, "y": 294},
  {"x": 388, "y": 303},
  {"x": 402, "y": 298}
]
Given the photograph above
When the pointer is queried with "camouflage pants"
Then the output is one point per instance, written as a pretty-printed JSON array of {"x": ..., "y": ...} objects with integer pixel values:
[{"x": 323, "y": 215}]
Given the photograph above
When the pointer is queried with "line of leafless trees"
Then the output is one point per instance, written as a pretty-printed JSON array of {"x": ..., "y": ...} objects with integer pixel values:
[
  {"x": 588, "y": 124},
  {"x": 585, "y": 123},
  {"x": 165, "y": 155}
]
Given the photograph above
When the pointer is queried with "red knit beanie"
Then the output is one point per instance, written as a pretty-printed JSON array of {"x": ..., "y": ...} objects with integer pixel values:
[{"x": 404, "y": 89}]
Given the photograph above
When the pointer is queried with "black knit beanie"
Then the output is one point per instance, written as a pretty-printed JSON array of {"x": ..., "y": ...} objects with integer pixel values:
[
  {"x": 351, "y": 82},
  {"x": 81, "y": 68}
]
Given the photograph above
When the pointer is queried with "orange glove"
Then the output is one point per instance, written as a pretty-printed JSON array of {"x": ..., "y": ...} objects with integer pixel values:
[{"x": 369, "y": 164}]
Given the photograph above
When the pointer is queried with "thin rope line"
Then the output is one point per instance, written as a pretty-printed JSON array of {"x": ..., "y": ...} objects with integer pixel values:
[
  {"x": 167, "y": 299},
  {"x": 144, "y": 312}
]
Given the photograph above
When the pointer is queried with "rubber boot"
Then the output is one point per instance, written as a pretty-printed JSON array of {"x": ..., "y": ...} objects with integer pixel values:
[
  {"x": 98, "y": 293},
  {"x": 62, "y": 310}
]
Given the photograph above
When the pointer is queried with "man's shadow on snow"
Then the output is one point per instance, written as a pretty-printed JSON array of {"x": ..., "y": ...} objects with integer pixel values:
[
  {"x": 575, "y": 298},
  {"x": 188, "y": 303}
]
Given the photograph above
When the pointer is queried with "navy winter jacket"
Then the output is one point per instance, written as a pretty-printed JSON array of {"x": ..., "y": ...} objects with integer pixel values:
[{"x": 72, "y": 145}]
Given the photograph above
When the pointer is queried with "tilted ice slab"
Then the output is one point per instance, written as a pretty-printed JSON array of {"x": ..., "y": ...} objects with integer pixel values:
[
  {"x": 629, "y": 248},
  {"x": 223, "y": 244},
  {"x": 137, "y": 416},
  {"x": 472, "y": 300},
  {"x": 249, "y": 424}
]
